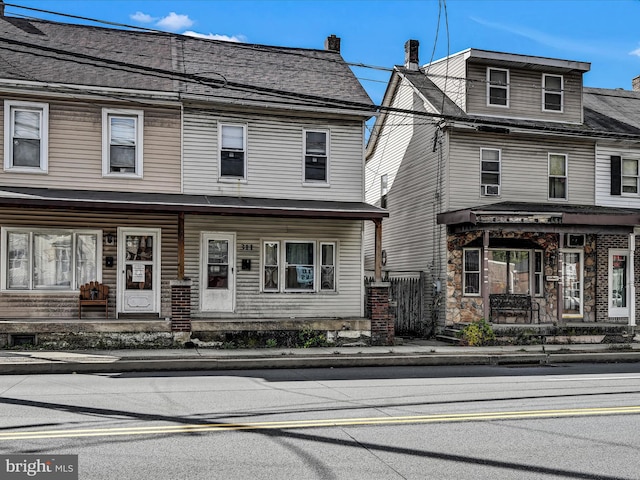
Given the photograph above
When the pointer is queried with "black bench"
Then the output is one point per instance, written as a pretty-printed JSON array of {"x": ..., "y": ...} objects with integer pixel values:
[{"x": 513, "y": 303}]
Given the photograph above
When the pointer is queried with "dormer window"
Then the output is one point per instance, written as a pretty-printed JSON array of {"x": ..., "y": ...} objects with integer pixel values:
[
  {"x": 552, "y": 93},
  {"x": 497, "y": 87}
]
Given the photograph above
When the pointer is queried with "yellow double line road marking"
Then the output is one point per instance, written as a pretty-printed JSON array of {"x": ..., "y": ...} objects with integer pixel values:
[{"x": 318, "y": 423}]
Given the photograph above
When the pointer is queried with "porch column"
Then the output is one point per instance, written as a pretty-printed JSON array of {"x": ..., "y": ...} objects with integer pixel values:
[
  {"x": 181, "y": 246},
  {"x": 485, "y": 275},
  {"x": 181, "y": 305},
  {"x": 382, "y": 314},
  {"x": 560, "y": 276},
  {"x": 378, "y": 250}
]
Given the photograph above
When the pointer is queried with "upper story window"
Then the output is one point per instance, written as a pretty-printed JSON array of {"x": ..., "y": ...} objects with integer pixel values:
[
  {"x": 490, "y": 171},
  {"x": 629, "y": 176},
  {"x": 316, "y": 156},
  {"x": 497, "y": 87},
  {"x": 122, "y": 142},
  {"x": 384, "y": 190},
  {"x": 557, "y": 176},
  {"x": 233, "y": 149},
  {"x": 552, "y": 93},
  {"x": 26, "y": 130}
]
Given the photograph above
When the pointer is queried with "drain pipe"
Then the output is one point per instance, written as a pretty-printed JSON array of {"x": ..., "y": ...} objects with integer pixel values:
[{"x": 632, "y": 277}]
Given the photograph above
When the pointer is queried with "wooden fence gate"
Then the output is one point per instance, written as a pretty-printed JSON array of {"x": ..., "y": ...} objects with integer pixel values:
[{"x": 408, "y": 297}]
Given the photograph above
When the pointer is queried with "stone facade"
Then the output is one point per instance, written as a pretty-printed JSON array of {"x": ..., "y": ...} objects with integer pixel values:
[{"x": 464, "y": 309}]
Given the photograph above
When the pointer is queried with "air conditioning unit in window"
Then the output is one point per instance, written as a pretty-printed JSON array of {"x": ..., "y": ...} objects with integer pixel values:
[
  {"x": 574, "y": 240},
  {"x": 490, "y": 190}
]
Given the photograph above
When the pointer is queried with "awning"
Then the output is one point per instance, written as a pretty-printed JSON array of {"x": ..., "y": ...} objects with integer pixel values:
[
  {"x": 541, "y": 214},
  {"x": 177, "y": 203}
]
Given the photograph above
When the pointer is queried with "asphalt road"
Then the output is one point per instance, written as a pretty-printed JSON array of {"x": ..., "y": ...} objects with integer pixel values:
[{"x": 563, "y": 421}]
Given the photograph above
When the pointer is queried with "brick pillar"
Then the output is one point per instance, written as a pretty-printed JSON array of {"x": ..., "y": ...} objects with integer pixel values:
[
  {"x": 382, "y": 317},
  {"x": 181, "y": 305}
]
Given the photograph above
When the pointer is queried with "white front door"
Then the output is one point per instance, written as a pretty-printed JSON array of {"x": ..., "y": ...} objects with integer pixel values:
[
  {"x": 139, "y": 270},
  {"x": 217, "y": 267}
]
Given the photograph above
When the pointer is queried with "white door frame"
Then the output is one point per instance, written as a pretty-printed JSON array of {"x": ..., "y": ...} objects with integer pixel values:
[
  {"x": 121, "y": 280},
  {"x": 224, "y": 300}
]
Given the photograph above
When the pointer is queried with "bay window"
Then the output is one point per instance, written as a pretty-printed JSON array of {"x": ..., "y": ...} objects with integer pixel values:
[{"x": 50, "y": 259}]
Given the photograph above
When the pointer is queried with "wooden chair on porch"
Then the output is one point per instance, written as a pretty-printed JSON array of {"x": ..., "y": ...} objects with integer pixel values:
[{"x": 94, "y": 293}]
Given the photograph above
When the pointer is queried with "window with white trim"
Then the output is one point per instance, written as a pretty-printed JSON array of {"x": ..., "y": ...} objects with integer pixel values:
[
  {"x": 497, "y": 87},
  {"x": 233, "y": 151},
  {"x": 490, "y": 171},
  {"x": 538, "y": 272},
  {"x": 629, "y": 176},
  {"x": 298, "y": 266},
  {"x": 510, "y": 271},
  {"x": 122, "y": 133},
  {"x": 557, "y": 176},
  {"x": 50, "y": 259},
  {"x": 26, "y": 133},
  {"x": 552, "y": 93},
  {"x": 327, "y": 266},
  {"x": 471, "y": 265},
  {"x": 316, "y": 156}
]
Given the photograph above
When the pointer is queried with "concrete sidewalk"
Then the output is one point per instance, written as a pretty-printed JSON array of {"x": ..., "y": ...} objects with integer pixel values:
[{"x": 415, "y": 352}]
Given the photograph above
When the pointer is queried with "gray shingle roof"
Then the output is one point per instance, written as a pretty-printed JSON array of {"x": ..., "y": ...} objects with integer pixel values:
[
  {"x": 51, "y": 52},
  {"x": 620, "y": 107}
]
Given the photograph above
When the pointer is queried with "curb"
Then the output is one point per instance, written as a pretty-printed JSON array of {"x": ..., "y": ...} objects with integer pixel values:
[{"x": 319, "y": 361}]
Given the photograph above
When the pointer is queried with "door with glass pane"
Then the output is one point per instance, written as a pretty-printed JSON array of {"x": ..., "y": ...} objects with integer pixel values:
[
  {"x": 139, "y": 261},
  {"x": 619, "y": 284},
  {"x": 572, "y": 283},
  {"x": 217, "y": 267}
]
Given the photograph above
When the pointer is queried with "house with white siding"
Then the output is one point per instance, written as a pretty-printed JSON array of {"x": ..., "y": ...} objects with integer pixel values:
[
  {"x": 214, "y": 187},
  {"x": 512, "y": 187}
]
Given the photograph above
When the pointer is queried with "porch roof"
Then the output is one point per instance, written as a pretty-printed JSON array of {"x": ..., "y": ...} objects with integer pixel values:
[
  {"x": 541, "y": 213},
  {"x": 176, "y": 203}
]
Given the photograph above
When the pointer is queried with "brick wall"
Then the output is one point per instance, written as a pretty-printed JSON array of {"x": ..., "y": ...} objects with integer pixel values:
[
  {"x": 382, "y": 317},
  {"x": 181, "y": 306}
]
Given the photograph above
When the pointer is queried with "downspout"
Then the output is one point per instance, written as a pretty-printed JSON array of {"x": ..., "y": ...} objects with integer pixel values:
[
  {"x": 485, "y": 275},
  {"x": 560, "y": 276},
  {"x": 632, "y": 282}
]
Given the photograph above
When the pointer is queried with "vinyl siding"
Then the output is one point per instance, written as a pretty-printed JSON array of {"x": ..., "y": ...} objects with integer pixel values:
[
  {"x": 524, "y": 169},
  {"x": 405, "y": 153},
  {"x": 603, "y": 176},
  {"x": 274, "y": 158},
  {"x": 250, "y": 302},
  {"x": 75, "y": 151},
  {"x": 525, "y": 95},
  {"x": 34, "y": 304},
  {"x": 450, "y": 75}
]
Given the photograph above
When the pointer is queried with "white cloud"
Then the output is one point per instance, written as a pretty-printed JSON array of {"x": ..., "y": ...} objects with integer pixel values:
[
  {"x": 635, "y": 52},
  {"x": 215, "y": 36},
  {"x": 174, "y": 22},
  {"x": 543, "y": 38},
  {"x": 142, "y": 17}
]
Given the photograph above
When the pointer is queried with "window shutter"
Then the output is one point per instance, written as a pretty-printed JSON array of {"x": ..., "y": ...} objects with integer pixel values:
[{"x": 616, "y": 176}]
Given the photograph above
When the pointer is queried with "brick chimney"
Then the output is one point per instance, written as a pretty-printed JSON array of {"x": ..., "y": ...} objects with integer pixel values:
[
  {"x": 635, "y": 84},
  {"x": 332, "y": 43},
  {"x": 411, "y": 55},
  {"x": 1, "y": 8}
]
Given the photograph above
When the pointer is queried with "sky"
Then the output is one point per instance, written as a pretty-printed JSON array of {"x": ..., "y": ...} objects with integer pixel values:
[{"x": 604, "y": 33}]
